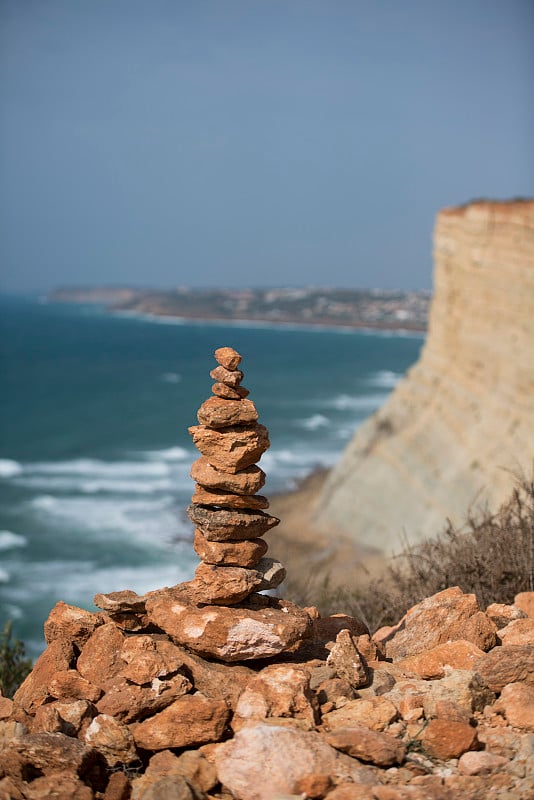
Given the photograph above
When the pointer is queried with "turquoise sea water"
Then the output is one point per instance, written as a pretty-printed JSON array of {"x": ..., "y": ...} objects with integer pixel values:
[{"x": 94, "y": 450}]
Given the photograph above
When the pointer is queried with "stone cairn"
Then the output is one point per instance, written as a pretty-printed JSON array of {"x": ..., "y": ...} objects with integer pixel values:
[
  {"x": 226, "y": 510},
  {"x": 220, "y": 613}
]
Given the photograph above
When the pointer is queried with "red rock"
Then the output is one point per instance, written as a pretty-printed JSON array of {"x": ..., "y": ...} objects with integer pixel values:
[
  {"x": 231, "y": 377},
  {"x": 247, "y": 481},
  {"x": 223, "y": 585},
  {"x": 59, "y": 786},
  {"x": 480, "y": 763},
  {"x": 289, "y": 755},
  {"x": 279, "y": 690},
  {"x": 229, "y": 392},
  {"x": 519, "y": 631},
  {"x": 227, "y": 357},
  {"x": 259, "y": 628},
  {"x": 112, "y": 739},
  {"x": 193, "y": 766},
  {"x": 517, "y": 704},
  {"x": 314, "y": 785},
  {"x": 327, "y": 628},
  {"x": 231, "y": 449},
  {"x": 58, "y": 656},
  {"x": 9, "y": 790},
  {"x": 375, "y": 713},
  {"x": 218, "y": 413},
  {"x": 129, "y": 702},
  {"x": 332, "y": 690},
  {"x": 446, "y": 616},
  {"x": 501, "y": 614},
  {"x": 100, "y": 658},
  {"x": 346, "y": 660},
  {"x": 70, "y": 684},
  {"x": 461, "y": 687},
  {"x": 433, "y": 663},
  {"x": 118, "y": 787},
  {"x": 222, "y": 525},
  {"x": 148, "y": 658},
  {"x": 47, "y": 753},
  {"x": 217, "y": 681},
  {"x": 224, "y": 500},
  {"x": 449, "y": 710},
  {"x": 446, "y": 739},
  {"x": 368, "y": 648},
  {"x": 367, "y": 745},
  {"x": 73, "y": 624},
  {"x": 62, "y": 717},
  {"x": 245, "y": 553},
  {"x": 190, "y": 721},
  {"x": 525, "y": 601},
  {"x": 352, "y": 791},
  {"x": 507, "y": 664},
  {"x": 6, "y": 707},
  {"x": 119, "y": 602}
]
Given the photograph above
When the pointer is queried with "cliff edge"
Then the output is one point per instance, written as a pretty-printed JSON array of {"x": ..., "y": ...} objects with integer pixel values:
[{"x": 461, "y": 422}]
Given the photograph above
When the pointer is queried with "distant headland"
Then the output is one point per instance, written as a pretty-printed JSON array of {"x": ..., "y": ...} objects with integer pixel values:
[{"x": 355, "y": 308}]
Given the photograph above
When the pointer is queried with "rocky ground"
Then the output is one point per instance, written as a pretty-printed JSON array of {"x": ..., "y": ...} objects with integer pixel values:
[{"x": 440, "y": 706}]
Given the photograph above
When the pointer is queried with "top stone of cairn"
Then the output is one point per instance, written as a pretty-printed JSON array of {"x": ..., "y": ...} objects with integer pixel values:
[{"x": 227, "y": 357}]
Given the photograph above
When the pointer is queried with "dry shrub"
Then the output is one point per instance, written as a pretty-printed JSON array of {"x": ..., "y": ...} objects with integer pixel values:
[{"x": 491, "y": 556}]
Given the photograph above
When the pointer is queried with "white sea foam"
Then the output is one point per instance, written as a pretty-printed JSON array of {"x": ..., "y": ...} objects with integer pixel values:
[
  {"x": 156, "y": 521},
  {"x": 385, "y": 378},
  {"x": 96, "y": 468},
  {"x": 314, "y": 422},
  {"x": 4, "y": 575},
  {"x": 8, "y": 540},
  {"x": 171, "y": 377},
  {"x": 170, "y": 454},
  {"x": 79, "y": 581},
  {"x": 12, "y": 611},
  {"x": 84, "y": 485},
  {"x": 364, "y": 403},
  {"x": 9, "y": 468}
]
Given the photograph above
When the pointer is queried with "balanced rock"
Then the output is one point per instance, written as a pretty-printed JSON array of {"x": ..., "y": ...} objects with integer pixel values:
[
  {"x": 256, "y": 628},
  {"x": 230, "y": 377},
  {"x": 244, "y": 553},
  {"x": 227, "y": 357},
  {"x": 226, "y": 525},
  {"x": 224, "y": 585},
  {"x": 229, "y": 392},
  {"x": 218, "y": 413},
  {"x": 247, "y": 481},
  {"x": 215, "y": 497},
  {"x": 233, "y": 448}
]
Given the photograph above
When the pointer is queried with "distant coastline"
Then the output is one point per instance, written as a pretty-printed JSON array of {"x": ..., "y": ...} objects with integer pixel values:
[{"x": 371, "y": 309}]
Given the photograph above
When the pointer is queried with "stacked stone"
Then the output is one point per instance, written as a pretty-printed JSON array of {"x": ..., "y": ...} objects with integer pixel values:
[{"x": 228, "y": 513}]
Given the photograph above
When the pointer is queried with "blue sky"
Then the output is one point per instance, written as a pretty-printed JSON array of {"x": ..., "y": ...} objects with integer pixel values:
[{"x": 253, "y": 142}]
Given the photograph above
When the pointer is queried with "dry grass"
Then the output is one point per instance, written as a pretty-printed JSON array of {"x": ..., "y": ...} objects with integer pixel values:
[{"x": 492, "y": 556}]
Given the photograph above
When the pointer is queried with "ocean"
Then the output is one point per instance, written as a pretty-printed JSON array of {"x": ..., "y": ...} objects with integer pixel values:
[{"x": 95, "y": 453}]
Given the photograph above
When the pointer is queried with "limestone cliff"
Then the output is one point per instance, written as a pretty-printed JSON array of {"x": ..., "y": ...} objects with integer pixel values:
[{"x": 462, "y": 420}]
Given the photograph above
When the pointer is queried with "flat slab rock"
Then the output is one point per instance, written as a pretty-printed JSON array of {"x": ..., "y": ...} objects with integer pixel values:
[
  {"x": 257, "y": 628},
  {"x": 226, "y": 525}
]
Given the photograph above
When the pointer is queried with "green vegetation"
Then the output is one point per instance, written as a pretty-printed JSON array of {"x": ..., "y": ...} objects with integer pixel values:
[
  {"x": 14, "y": 666},
  {"x": 491, "y": 556}
]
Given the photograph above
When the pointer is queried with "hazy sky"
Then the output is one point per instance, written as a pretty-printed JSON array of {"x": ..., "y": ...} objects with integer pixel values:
[{"x": 253, "y": 142}]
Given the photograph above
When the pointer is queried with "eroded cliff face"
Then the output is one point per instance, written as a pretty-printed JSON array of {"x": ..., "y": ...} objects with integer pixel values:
[{"x": 461, "y": 422}]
